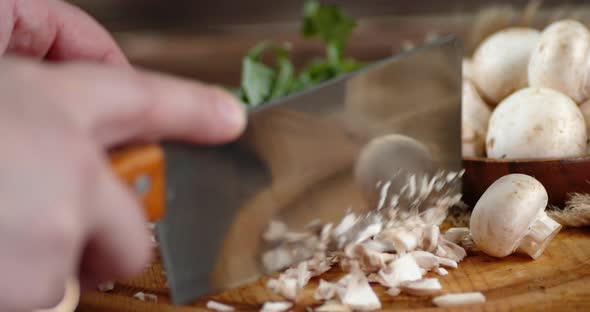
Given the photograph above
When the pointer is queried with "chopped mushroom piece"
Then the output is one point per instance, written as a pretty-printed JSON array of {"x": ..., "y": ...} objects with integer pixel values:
[
  {"x": 394, "y": 291},
  {"x": 423, "y": 287},
  {"x": 451, "y": 300},
  {"x": 284, "y": 286},
  {"x": 276, "y": 306},
  {"x": 319, "y": 265},
  {"x": 333, "y": 306},
  {"x": 441, "y": 271},
  {"x": 447, "y": 262},
  {"x": 425, "y": 260},
  {"x": 400, "y": 270},
  {"x": 146, "y": 297},
  {"x": 450, "y": 250},
  {"x": 379, "y": 246},
  {"x": 301, "y": 274},
  {"x": 347, "y": 222},
  {"x": 325, "y": 291},
  {"x": 369, "y": 232},
  {"x": 276, "y": 259},
  {"x": 276, "y": 231},
  {"x": 105, "y": 287},
  {"x": 402, "y": 240},
  {"x": 370, "y": 261},
  {"x": 218, "y": 306},
  {"x": 358, "y": 293},
  {"x": 293, "y": 237},
  {"x": 456, "y": 235},
  {"x": 430, "y": 238}
]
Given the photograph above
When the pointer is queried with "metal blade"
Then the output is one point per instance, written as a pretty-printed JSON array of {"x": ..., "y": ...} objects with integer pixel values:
[{"x": 295, "y": 162}]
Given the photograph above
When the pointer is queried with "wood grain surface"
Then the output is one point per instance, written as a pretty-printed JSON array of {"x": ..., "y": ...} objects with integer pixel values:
[{"x": 557, "y": 281}]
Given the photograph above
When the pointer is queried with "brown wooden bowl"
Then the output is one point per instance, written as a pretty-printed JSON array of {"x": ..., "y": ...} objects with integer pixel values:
[{"x": 559, "y": 176}]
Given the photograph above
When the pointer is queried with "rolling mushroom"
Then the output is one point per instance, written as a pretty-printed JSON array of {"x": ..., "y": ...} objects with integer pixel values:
[
  {"x": 536, "y": 123},
  {"x": 475, "y": 115},
  {"x": 560, "y": 60},
  {"x": 500, "y": 62},
  {"x": 384, "y": 158},
  {"x": 510, "y": 216}
]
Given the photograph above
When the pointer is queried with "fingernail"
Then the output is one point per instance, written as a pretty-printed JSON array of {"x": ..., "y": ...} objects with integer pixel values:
[{"x": 232, "y": 112}]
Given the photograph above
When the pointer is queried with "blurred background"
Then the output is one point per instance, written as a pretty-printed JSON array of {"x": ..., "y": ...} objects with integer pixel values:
[{"x": 207, "y": 39}]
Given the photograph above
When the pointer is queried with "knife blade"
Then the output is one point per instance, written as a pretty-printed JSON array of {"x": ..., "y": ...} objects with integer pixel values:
[{"x": 294, "y": 163}]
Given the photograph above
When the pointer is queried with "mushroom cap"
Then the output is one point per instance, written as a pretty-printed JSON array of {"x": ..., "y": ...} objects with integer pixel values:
[
  {"x": 504, "y": 213},
  {"x": 475, "y": 115},
  {"x": 382, "y": 160},
  {"x": 536, "y": 123},
  {"x": 559, "y": 59},
  {"x": 467, "y": 68},
  {"x": 500, "y": 62}
]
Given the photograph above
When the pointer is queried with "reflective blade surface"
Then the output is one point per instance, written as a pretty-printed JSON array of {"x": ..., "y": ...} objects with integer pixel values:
[{"x": 296, "y": 163}]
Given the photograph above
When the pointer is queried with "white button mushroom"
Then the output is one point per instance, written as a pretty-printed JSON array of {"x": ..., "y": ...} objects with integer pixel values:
[
  {"x": 500, "y": 62},
  {"x": 536, "y": 123},
  {"x": 475, "y": 115},
  {"x": 384, "y": 158},
  {"x": 560, "y": 59},
  {"x": 510, "y": 215},
  {"x": 467, "y": 68}
]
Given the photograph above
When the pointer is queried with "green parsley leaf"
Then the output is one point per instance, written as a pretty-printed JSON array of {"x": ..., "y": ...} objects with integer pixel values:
[{"x": 330, "y": 24}]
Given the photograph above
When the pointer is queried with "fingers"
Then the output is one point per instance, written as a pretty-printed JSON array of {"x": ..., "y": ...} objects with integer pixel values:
[
  {"x": 80, "y": 37},
  {"x": 58, "y": 31},
  {"x": 6, "y": 24},
  {"x": 119, "y": 245},
  {"x": 119, "y": 105}
]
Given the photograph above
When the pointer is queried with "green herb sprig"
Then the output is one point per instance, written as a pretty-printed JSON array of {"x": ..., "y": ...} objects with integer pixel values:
[{"x": 261, "y": 83}]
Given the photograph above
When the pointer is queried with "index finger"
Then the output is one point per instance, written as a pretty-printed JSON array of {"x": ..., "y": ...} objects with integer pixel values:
[{"x": 117, "y": 106}]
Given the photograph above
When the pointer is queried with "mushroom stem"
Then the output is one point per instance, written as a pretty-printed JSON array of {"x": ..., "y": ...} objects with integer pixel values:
[{"x": 541, "y": 233}]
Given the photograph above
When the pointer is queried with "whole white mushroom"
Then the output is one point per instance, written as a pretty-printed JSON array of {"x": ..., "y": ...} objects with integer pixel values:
[
  {"x": 560, "y": 59},
  {"x": 536, "y": 123},
  {"x": 500, "y": 62},
  {"x": 475, "y": 115},
  {"x": 467, "y": 68},
  {"x": 510, "y": 216}
]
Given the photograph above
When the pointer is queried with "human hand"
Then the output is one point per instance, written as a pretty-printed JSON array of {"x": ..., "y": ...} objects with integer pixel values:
[
  {"x": 62, "y": 212},
  {"x": 56, "y": 31}
]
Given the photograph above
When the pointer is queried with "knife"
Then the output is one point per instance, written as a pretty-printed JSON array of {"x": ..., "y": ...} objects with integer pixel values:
[{"x": 294, "y": 163}]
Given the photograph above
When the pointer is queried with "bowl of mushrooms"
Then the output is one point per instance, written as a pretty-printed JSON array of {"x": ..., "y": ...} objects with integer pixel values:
[{"x": 526, "y": 109}]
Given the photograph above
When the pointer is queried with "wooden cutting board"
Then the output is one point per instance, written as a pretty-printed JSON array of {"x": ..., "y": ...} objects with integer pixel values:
[{"x": 557, "y": 281}]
